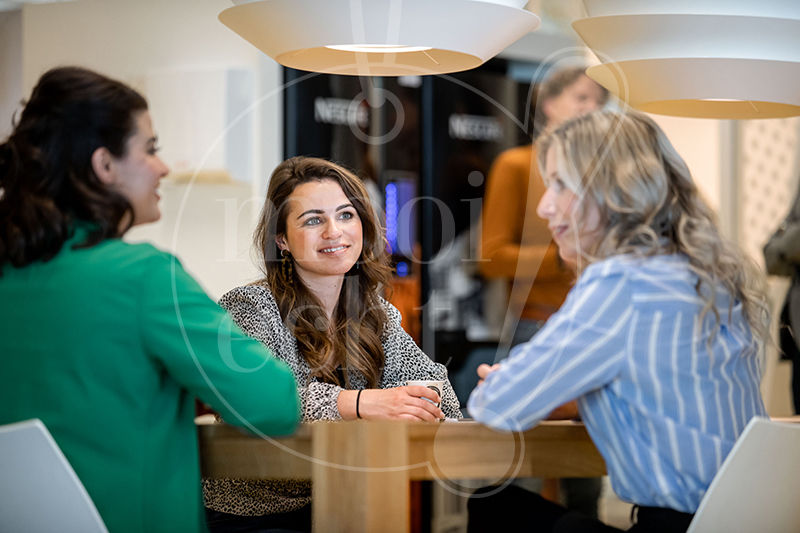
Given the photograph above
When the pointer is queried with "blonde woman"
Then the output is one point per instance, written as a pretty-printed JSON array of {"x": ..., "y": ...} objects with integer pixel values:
[
  {"x": 657, "y": 341},
  {"x": 517, "y": 246}
]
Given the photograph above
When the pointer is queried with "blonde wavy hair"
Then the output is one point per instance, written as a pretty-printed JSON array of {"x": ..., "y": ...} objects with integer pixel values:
[{"x": 649, "y": 205}]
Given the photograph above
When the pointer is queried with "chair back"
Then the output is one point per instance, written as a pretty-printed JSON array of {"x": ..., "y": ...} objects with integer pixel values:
[
  {"x": 757, "y": 487},
  {"x": 40, "y": 490}
]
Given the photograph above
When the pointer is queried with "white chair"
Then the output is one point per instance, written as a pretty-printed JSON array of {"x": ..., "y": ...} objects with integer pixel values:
[
  {"x": 39, "y": 490},
  {"x": 757, "y": 489}
]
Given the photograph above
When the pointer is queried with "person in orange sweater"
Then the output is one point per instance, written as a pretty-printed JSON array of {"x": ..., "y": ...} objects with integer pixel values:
[
  {"x": 516, "y": 244},
  {"x": 519, "y": 248}
]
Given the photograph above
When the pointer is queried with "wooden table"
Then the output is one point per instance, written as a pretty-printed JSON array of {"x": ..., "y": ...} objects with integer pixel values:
[{"x": 361, "y": 469}]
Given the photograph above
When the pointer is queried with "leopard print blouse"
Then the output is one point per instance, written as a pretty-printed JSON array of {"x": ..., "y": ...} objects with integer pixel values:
[{"x": 255, "y": 311}]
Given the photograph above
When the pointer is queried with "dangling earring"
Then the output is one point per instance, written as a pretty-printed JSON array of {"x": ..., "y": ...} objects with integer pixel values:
[{"x": 286, "y": 266}]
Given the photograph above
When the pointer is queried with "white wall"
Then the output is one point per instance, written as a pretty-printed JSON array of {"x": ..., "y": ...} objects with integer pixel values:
[
  {"x": 10, "y": 68},
  {"x": 699, "y": 143},
  {"x": 126, "y": 39},
  {"x": 133, "y": 39}
]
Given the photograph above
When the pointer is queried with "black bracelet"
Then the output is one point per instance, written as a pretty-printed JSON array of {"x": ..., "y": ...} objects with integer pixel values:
[{"x": 358, "y": 399}]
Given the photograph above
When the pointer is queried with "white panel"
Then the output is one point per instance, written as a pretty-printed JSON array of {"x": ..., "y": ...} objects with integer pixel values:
[
  {"x": 204, "y": 119},
  {"x": 269, "y": 124},
  {"x": 239, "y": 120},
  {"x": 188, "y": 109}
]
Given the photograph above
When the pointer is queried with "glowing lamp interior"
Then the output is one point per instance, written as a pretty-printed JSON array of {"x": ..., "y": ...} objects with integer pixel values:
[{"x": 378, "y": 48}]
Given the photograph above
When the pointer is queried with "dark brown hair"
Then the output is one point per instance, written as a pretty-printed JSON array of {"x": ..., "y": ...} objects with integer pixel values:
[
  {"x": 353, "y": 341},
  {"x": 47, "y": 183}
]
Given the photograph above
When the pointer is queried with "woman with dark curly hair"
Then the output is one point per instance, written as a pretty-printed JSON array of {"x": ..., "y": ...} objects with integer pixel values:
[
  {"x": 108, "y": 343},
  {"x": 318, "y": 308}
]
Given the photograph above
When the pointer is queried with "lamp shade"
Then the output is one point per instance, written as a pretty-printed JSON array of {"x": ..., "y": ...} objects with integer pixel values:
[
  {"x": 702, "y": 58},
  {"x": 380, "y": 37}
]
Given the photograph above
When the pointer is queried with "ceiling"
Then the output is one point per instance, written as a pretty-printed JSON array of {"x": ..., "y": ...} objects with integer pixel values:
[{"x": 13, "y": 5}]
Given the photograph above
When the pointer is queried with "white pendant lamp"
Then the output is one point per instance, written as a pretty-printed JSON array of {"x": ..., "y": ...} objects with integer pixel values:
[
  {"x": 724, "y": 59},
  {"x": 380, "y": 37}
]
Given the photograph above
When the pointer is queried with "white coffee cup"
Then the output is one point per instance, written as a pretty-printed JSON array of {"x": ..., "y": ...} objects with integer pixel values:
[{"x": 435, "y": 386}]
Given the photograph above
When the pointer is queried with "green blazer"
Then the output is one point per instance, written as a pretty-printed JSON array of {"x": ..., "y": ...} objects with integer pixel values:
[{"x": 109, "y": 346}]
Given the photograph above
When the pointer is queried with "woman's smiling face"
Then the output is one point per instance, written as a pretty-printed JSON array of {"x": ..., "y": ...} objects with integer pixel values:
[
  {"x": 323, "y": 231},
  {"x": 137, "y": 174},
  {"x": 576, "y": 231}
]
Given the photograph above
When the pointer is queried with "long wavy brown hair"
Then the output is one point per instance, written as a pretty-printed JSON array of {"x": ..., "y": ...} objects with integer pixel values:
[
  {"x": 353, "y": 340},
  {"x": 649, "y": 205}
]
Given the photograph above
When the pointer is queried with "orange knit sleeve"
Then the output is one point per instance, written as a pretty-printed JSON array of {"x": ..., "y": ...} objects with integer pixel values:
[{"x": 513, "y": 190}]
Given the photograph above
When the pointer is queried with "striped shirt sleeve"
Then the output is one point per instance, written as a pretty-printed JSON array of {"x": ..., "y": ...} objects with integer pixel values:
[{"x": 581, "y": 348}]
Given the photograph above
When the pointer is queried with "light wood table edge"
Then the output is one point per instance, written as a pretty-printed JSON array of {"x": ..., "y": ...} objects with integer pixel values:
[{"x": 557, "y": 448}]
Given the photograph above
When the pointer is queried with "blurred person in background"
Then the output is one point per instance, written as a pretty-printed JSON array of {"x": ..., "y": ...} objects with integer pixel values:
[
  {"x": 782, "y": 257},
  {"x": 517, "y": 246},
  {"x": 659, "y": 339},
  {"x": 91, "y": 341},
  {"x": 319, "y": 309}
]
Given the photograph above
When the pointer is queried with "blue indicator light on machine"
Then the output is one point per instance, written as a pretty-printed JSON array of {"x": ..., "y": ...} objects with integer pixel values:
[
  {"x": 391, "y": 216},
  {"x": 402, "y": 269}
]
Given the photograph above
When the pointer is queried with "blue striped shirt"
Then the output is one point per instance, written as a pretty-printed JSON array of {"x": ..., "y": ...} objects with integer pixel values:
[{"x": 662, "y": 408}]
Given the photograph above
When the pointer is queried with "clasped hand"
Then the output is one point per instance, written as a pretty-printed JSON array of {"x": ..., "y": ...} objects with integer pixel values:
[
  {"x": 398, "y": 403},
  {"x": 484, "y": 370}
]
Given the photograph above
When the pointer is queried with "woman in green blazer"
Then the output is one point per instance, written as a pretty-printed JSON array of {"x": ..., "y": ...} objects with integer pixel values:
[{"x": 109, "y": 343}]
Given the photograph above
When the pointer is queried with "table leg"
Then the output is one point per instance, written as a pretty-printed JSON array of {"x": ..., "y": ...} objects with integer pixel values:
[{"x": 360, "y": 479}]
